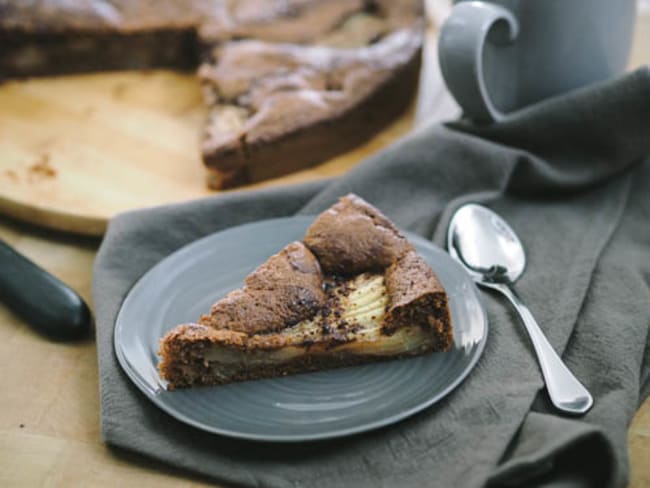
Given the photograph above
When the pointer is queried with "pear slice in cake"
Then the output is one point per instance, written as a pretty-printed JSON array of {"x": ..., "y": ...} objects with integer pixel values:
[{"x": 353, "y": 291}]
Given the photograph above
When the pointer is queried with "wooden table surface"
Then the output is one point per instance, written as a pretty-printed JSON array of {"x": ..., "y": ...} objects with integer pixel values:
[{"x": 49, "y": 405}]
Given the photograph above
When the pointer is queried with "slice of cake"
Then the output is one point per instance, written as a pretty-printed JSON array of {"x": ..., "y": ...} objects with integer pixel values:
[
  {"x": 277, "y": 108},
  {"x": 353, "y": 291}
]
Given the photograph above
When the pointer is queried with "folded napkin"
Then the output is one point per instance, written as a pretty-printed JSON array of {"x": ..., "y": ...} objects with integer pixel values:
[{"x": 572, "y": 177}]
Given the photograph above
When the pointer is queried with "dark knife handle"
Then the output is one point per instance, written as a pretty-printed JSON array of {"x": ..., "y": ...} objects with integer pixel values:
[{"x": 42, "y": 300}]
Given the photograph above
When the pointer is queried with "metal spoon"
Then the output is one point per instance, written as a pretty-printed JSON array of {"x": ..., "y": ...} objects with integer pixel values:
[{"x": 493, "y": 255}]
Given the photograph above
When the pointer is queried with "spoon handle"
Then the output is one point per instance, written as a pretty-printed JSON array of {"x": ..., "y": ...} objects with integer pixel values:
[{"x": 564, "y": 389}]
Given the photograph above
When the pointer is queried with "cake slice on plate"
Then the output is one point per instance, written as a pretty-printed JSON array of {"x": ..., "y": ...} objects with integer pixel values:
[{"x": 353, "y": 291}]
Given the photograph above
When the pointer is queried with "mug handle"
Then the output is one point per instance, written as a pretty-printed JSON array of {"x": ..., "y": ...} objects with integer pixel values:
[{"x": 460, "y": 51}]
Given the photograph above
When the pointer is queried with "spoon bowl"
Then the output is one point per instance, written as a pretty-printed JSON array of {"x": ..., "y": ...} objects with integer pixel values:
[
  {"x": 500, "y": 257},
  {"x": 485, "y": 245}
]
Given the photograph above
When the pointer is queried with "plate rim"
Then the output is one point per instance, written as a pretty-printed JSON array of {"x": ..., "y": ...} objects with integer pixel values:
[{"x": 153, "y": 395}]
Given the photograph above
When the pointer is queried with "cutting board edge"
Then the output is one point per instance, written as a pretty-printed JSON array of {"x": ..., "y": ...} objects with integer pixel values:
[{"x": 53, "y": 219}]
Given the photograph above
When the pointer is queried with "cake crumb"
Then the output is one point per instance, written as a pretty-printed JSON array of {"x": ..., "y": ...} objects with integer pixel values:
[
  {"x": 119, "y": 90},
  {"x": 42, "y": 168},
  {"x": 11, "y": 174}
]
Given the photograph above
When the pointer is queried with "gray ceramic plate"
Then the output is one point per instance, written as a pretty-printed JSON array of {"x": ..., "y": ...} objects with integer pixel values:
[{"x": 296, "y": 408}]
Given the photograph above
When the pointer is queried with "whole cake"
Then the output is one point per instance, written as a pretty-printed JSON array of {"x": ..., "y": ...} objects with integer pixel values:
[
  {"x": 287, "y": 83},
  {"x": 353, "y": 291}
]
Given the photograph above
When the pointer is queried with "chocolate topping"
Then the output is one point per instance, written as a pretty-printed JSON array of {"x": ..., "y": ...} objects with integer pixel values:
[
  {"x": 353, "y": 237},
  {"x": 284, "y": 290}
]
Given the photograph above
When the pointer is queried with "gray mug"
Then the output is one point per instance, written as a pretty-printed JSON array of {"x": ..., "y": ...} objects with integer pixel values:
[{"x": 500, "y": 55}]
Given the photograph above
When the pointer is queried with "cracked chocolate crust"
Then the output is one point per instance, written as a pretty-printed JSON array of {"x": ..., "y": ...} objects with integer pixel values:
[
  {"x": 352, "y": 237},
  {"x": 277, "y": 108},
  {"x": 305, "y": 284}
]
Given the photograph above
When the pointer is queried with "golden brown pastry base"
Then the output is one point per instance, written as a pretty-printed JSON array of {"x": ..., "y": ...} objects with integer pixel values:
[
  {"x": 197, "y": 373},
  {"x": 195, "y": 355}
]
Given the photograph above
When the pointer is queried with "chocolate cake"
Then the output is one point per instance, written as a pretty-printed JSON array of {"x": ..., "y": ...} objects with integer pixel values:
[
  {"x": 288, "y": 83},
  {"x": 353, "y": 291},
  {"x": 278, "y": 108}
]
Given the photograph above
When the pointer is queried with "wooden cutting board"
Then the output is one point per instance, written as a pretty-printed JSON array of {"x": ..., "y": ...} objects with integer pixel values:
[{"x": 76, "y": 150}]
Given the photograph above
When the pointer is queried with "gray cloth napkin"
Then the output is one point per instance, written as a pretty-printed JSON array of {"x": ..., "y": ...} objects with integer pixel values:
[{"x": 572, "y": 177}]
